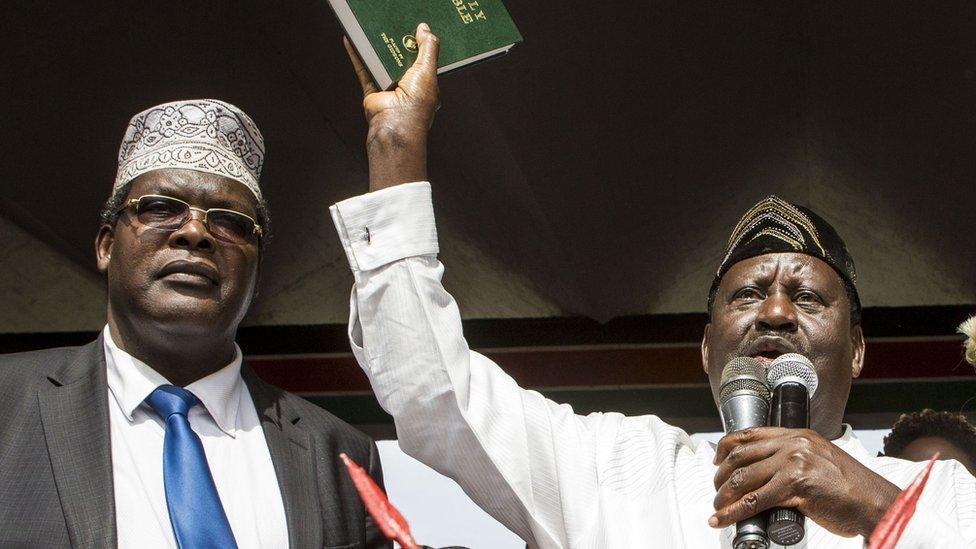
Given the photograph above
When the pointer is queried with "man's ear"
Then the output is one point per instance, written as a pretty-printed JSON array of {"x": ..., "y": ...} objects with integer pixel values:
[
  {"x": 857, "y": 343},
  {"x": 704, "y": 348},
  {"x": 103, "y": 247}
]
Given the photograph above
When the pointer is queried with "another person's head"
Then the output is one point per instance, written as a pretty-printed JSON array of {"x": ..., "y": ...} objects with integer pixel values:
[
  {"x": 173, "y": 268},
  {"x": 918, "y": 435},
  {"x": 968, "y": 329},
  {"x": 787, "y": 284}
]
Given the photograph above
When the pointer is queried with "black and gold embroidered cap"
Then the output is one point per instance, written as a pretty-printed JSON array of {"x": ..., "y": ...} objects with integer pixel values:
[{"x": 773, "y": 226}]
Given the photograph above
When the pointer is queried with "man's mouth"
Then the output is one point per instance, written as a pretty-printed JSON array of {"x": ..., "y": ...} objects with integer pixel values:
[
  {"x": 766, "y": 349},
  {"x": 190, "y": 272}
]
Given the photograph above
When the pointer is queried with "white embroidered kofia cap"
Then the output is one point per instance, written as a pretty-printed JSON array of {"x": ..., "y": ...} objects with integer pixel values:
[{"x": 195, "y": 134}]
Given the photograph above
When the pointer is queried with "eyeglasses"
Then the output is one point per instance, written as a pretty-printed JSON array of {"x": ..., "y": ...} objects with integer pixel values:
[{"x": 165, "y": 213}]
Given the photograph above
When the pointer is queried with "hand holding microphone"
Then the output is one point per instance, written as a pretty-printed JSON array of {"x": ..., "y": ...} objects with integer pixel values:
[
  {"x": 745, "y": 401},
  {"x": 764, "y": 468}
]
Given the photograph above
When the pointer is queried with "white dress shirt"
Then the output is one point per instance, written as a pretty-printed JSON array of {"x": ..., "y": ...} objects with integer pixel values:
[
  {"x": 237, "y": 452},
  {"x": 557, "y": 479}
]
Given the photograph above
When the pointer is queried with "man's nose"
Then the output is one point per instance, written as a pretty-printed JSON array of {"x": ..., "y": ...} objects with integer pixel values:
[
  {"x": 193, "y": 234},
  {"x": 777, "y": 314}
]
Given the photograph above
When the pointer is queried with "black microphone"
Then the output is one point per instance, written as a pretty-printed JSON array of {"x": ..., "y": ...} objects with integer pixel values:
[
  {"x": 744, "y": 403},
  {"x": 793, "y": 382}
]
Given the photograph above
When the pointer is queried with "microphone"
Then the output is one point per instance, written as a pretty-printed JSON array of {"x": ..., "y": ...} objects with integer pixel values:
[
  {"x": 744, "y": 403},
  {"x": 793, "y": 381}
]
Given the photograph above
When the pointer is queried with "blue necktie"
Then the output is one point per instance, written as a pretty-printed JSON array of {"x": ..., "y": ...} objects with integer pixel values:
[{"x": 195, "y": 511}]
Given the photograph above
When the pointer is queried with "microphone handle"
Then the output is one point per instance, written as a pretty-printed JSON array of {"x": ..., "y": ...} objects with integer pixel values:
[
  {"x": 739, "y": 412},
  {"x": 751, "y": 533},
  {"x": 791, "y": 409}
]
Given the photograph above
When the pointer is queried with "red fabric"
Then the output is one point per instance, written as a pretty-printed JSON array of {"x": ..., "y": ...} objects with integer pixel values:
[
  {"x": 389, "y": 520},
  {"x": 894, "y": 521}
]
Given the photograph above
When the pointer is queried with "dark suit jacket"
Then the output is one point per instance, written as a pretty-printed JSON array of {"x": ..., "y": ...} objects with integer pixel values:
[{"x": 56, "y": 487}]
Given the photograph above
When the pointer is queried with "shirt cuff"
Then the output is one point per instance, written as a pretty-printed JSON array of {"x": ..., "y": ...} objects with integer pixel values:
[{"x": 387, "y": 225}]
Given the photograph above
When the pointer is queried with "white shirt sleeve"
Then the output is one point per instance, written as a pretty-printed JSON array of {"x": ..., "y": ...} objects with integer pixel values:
[
  {"x": 945, "y": 517},
  {"x": 527, "y": 461}
]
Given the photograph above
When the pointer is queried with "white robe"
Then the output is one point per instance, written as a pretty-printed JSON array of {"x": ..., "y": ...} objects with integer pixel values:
[{"x": 555, "y": 478}]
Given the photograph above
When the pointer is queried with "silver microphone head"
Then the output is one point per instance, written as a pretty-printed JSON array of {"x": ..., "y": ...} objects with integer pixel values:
[
  {"x": 793, "y": 367},
  {"x": 743, "y": 374}
]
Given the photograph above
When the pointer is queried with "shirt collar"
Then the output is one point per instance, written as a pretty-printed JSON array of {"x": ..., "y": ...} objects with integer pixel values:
[
  {"x": 849, "y": 443},
  {"x": 130, "y": 381}
]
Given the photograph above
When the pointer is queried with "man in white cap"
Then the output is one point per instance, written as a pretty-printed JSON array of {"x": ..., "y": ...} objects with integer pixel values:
[{"x": 156, "y": 434}]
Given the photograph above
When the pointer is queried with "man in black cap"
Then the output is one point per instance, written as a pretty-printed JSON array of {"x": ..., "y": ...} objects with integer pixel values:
[
  {"x": 780, "y": 246},
  {"x": 559, "y": 480}
]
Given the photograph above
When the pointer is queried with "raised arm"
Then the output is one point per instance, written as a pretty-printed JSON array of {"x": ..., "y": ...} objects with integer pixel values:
[{"x": 529, "y": 462}]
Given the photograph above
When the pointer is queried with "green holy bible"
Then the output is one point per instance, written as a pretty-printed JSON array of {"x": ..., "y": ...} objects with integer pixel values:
[{"x": 382, "y": 32}]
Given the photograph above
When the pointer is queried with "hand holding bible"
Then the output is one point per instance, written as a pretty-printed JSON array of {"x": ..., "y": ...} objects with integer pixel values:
[
  {"x": 399, "y": 120},
  {"x": 770, "y": 467}
]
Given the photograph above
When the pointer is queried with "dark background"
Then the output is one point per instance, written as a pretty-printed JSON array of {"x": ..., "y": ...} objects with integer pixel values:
[{"x": 593, "y": 173}]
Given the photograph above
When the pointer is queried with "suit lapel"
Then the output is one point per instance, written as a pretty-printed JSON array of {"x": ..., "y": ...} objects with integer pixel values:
[
  {"x": 74, "y": 414},
  {"x": 292, "y": 454}
]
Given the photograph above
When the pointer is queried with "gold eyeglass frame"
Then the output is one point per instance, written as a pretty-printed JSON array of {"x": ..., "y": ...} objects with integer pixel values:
[{"x": 135, "y": 202}]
